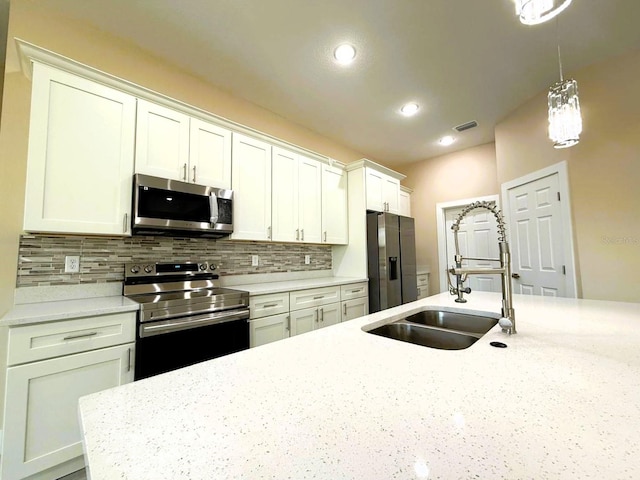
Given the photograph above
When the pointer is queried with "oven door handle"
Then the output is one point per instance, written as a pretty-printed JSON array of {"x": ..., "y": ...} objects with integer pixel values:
[{"x": 195, "y": 321}]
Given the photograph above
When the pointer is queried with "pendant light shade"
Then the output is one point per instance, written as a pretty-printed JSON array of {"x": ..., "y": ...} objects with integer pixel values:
[
  {"x": 565, "y": 120},
  {"x": 533, "y": 12}
]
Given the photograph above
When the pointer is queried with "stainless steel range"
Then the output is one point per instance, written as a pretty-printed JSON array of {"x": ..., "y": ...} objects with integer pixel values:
[{"x": 184, "y": 317}]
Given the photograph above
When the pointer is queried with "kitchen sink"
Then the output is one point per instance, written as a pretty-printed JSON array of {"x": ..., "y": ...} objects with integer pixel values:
[
  {"x": 454, "y": 321},
  {"x": 438, "y": 329}
]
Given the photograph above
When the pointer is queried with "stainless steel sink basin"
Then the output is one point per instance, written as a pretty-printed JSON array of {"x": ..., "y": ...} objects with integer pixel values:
[
  {"x": 425, "y": 336},
  {"x": 438, "y": 329},
  {"x": 454, "y": 321}
]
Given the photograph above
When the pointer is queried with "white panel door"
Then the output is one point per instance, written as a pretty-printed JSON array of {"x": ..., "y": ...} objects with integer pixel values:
[
  {"x": 80, "y": 160},
  {"x": 334, "y": 206},
  {"x": 285, "y": 186},
  {"x": 329, "y": 315},
  {"x": 305, "y": 320},
  {"x": 477, "y": 238},
  {"x": 357, "y": 307},
  {"x": 251, "y": 183},
  {"x": 268, "y": 329},
  {"x": 162, "y": 142},
  {"x": 405, "y": 204},
  {"x": 391, "y": 194},
  {"x": 209, "y": 154},
  {"x": 536, "y": 241},
  {"x": 41, "y": 427},
  {"x": 375, "y": 188},
  {"x": 310, "y": 200}
]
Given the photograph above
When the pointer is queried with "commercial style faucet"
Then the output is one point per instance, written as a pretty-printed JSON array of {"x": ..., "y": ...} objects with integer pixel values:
[{"x": 508, "y": 322}]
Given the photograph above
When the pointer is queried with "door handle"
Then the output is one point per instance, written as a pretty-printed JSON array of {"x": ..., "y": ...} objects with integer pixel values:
[
  {"x": 194, "y": 174},
  {"x": 184, "y": 172},
  {"x": 515, "y": 275},
  {"x": 128, "y": 360},
  {"x": 125, "y": 223}
]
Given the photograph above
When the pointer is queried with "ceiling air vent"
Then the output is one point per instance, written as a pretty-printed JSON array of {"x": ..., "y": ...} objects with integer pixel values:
[{"x": 466, "y": 126}]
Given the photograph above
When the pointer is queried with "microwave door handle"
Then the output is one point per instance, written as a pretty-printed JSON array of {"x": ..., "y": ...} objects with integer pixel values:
[{"x": 213, "y": 207}]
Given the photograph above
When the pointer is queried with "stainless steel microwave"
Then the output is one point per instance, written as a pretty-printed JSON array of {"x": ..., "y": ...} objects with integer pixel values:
[{"x": 169, "y": 207}]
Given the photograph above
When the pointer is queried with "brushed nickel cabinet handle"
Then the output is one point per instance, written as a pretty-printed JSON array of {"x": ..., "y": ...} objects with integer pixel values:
[
  {"x": 318, "y": 298},
  {"x": 184, "y": 172},
  {"x": 325, "y": 235},
  {"x": 344, "y": 309},
  {"x": 270, "y": 305},
  {"x": 269, "y": 233},
  {"x": 82, "y": 335},
  {"x": 321, "y": 314},
  {"x": 125, "y": 223},
  {"x": 302, "y": 234},
  {"x": 128, "y": 359},
  {"x": 194, "y": 174},
  {"x": 297, "y": 234},
  {"x": 288, "y": 327}
]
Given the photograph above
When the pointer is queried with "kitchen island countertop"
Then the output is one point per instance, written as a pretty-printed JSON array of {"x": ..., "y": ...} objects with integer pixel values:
[{"x": 562, "y": 401}]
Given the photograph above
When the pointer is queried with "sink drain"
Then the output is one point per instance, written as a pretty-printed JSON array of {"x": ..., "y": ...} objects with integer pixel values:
[{"x": 498, "y": 344}]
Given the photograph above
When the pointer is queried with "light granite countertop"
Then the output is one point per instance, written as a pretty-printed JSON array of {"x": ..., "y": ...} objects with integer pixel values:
[
  {"x": 562, "y": 401},
  {"x": 263, "y": 288},
  {"x": 51, "y": 311}
]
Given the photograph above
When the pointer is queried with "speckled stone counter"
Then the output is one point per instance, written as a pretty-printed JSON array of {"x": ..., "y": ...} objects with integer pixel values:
[{"x": 561, "y": 402}]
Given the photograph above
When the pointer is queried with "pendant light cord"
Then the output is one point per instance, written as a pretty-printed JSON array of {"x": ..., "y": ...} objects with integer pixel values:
[{"x": 558, "y": 42}]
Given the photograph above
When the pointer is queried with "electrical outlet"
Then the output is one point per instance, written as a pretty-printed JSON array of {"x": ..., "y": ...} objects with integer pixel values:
[
  {"x": 255, "y": 260},
  {"x": 307, "y": 259},
  {"x": 71, "y": 264}
]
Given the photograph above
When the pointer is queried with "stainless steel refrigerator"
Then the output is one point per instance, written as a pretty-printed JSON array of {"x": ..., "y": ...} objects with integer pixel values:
[{"x": 391, "y": 251}]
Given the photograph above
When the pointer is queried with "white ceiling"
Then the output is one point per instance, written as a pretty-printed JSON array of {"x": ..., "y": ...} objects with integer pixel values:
[{"x": 461, "y": 60}]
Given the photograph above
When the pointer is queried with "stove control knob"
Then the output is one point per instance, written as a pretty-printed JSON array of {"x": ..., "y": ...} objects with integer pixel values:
[
  {"x": 203, "y": 266},
  {"x": 135, "y": 269},
  {"x": 148, "y": 268},
  {"x": 212, "y": 266}
]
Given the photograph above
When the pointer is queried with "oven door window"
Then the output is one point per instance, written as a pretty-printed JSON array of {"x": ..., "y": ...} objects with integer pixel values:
[{"x": 168, "y": 205}]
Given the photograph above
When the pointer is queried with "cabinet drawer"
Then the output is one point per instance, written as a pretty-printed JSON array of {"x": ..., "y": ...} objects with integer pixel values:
[
  {"x": 271, "y": 304},
  {"x": 355, "y": 290},
  {"x": 54, "y": 339},
  {"x": 422, "y": 279},
  {"x": 314, "y": 297}
]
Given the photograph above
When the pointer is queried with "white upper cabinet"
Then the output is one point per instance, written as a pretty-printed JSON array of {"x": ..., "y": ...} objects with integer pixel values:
[
  {"x": 296, "y": 193},
  {"x": 80, "y": 161},
  {"x": 209, "y": 154},
  {"x": 405, "y": 201},
  {"x": 171, "y": 144},
  {"x": 334, "y": 206},
  {"x": 251, "y": 184},
  {"x": 383, "y": 191}
]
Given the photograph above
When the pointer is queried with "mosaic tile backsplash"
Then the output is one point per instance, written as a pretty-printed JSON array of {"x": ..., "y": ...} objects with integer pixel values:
[{"x": 41, "y": 257}]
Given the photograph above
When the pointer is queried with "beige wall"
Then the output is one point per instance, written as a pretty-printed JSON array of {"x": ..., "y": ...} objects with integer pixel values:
[
  {"x": 604, "y": 172},
  {"x": 465, "y": 174}
]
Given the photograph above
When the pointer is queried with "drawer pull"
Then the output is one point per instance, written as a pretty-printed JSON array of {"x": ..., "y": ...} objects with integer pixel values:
[
  {"x": 356, "y": 291},
  {"x": 318, "y": 298},
  {"x": 128, "y": 359},
  {"x": 84, "y": 335},
  {"x": 344, "y": 309},
  {"x": 270, "y": 305}
]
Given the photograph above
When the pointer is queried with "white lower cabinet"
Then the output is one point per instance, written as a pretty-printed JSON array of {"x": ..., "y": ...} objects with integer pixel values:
[
  {"x": 280, "y": 315},
  {"x": 268, "y": 329},
  {"x": 422, "y": 281},
  {"x": 42, "y": 438},
  {"x": 355, "y": 300}
]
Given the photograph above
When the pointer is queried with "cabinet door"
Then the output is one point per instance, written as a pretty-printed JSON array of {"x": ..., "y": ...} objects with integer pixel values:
[
  {"x": 329, "y": 315},
  {"x": 162, "y": 142},
  {"x": 405, "y": 203},
  {"x": 303, "y": 321},
  {"x": 209, "y": 154},
  {"x": 334, "y": 206},
  {"x": 310, "y": 200},
  {"x": 251, "y": 183},
  {"x": 268, "y": 329},
  {"x": 358, "y": 307},
  {"x": 41, "y": 427},
  {"x": 80, "y": 160},
  {"x": 285, "y": 196},
  {"x": 391, "y": 194},
  {"x": 375, "y": 187}
]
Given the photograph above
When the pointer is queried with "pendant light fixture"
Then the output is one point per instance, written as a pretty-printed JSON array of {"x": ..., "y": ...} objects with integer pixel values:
[
  {"x": 565, "y": 120},
  {"x": 533, "y": 12}
]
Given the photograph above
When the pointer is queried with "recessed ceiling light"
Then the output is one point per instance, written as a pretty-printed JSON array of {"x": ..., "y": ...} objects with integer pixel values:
[
  {"x": 345, "y": 53},
  {"x": 409, "y": 109},
  {"x": 446, "y": 140}
]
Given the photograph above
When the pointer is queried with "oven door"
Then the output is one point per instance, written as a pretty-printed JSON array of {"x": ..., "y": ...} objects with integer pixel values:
[{"x": 179, "y": 342}]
